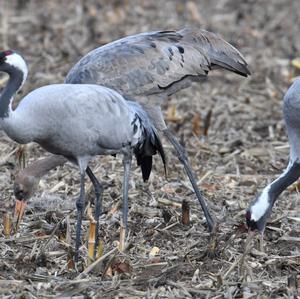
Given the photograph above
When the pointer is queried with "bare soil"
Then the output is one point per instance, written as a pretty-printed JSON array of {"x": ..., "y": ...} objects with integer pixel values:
[{"x": 244, "y": 149}]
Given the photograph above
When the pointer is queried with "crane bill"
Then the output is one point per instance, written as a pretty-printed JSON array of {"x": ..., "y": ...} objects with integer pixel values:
[{"x": 20, "y": 207}]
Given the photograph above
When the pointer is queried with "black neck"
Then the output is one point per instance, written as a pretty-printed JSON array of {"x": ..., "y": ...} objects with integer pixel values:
[
  {"x": 16, "y": 77},
  {"x": 289, "y": 177}
]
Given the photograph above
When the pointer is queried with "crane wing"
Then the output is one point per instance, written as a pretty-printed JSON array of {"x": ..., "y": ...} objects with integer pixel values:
[{"x": 159, "y": 62}]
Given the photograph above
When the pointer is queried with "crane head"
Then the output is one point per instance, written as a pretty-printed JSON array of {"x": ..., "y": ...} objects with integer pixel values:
[
  {"x": 24, "y": 187},
  {"x": 4, "y": 54},
  {"x": 255, "y": 224},
  {"x": 10, "y": 59}
]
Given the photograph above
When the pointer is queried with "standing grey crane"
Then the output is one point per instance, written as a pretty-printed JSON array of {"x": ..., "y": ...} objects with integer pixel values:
[
  {"x": 150, "y": 67},
  {"x": 260, "y": 209},
  {"x": 78, "y": 122}
]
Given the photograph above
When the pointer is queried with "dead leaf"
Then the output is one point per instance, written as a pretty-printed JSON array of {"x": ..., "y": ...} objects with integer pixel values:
[
  {"x": 209, "y": 187},
  {"x": 172, "y": 115},
  {"x": 70, "y": 261},
  {"x": 296, "y": 63},
  {"x": 295, "y": 187},
  {"x": 154, "y": 251},
  {"x": 120, "y": 266}
]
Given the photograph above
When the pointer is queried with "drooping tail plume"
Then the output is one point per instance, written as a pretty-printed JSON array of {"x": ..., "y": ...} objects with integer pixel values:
[{"x": 220, "y": 53}]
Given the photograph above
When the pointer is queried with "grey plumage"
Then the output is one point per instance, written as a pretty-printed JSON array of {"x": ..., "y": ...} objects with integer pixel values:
[
  {"x": 157, "y": 64},
  {"x": 260, "y": 209},
  {"x": 27, "y": 180},
  {"x": 151, "y": 143},
  {"x": 149, "y": 67},
  {"x": 83, "y": 114},
  {"x": 291, "y": 114},
  {"x": 78, "y": 122}
]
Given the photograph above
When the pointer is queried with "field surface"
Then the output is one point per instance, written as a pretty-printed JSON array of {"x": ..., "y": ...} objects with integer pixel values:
[{"x": 244, "y": 149}]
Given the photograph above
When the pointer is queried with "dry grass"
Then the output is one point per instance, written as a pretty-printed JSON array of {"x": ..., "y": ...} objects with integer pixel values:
[{"x": 245, "y": 148}]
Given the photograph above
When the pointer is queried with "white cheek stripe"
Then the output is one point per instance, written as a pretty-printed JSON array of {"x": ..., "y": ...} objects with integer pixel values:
[
  {"x": 261, "y": 205},
  {"x": 17, "y": 61}
]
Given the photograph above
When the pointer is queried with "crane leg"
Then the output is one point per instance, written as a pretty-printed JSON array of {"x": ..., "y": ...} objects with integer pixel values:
[
  {"x": 127, "y": 158},
  {"x": 80, "y": 204},
  {"x": 182, "y": 156},
  {"x": 98, "y": 204}
]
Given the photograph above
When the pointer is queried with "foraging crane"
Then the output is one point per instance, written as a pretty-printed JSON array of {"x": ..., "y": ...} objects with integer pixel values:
[
  {"x": 27, "y": 180},
  {"x": 78, "y": 122},
  {"x": 150, "y": 67},
  {"x": 260, "y": 209}
]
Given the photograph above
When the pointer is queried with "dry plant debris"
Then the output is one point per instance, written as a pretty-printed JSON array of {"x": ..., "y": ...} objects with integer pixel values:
[{"x": 233, "y": 133}]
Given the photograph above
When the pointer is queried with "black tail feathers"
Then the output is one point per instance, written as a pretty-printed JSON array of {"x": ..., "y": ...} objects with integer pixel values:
[{"x": 150, "y": 146}]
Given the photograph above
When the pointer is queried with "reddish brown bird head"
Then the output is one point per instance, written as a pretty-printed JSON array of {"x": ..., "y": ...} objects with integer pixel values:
[{"x": 25, "y": 186}]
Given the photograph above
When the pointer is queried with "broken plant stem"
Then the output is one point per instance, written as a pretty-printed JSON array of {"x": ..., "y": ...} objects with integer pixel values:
[
  {"x": 185, "y": 208},
  {"x": 7, "y": 225},
  {"x": 91, "y": 242},
  {"x": 122, "y": 238}
]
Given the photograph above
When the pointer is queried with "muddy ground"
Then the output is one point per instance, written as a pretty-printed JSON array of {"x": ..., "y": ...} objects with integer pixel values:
[{"x": 245, "y": 148}]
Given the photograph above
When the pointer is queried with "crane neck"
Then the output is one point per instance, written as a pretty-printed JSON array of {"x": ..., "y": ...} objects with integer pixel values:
[
  {"x": 41, "y": 167},
  {"x": 16, "y": 80},
  {"x": 288, "y": 177},
  {"x": 264, "y": 203}
]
